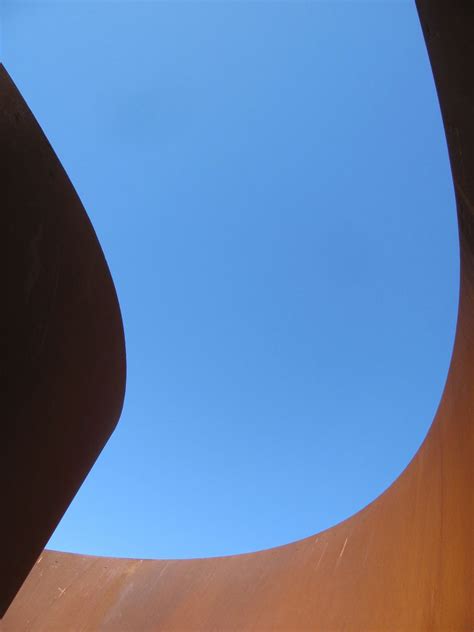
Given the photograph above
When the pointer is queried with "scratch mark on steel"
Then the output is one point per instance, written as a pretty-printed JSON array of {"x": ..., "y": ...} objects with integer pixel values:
[
  {"x": 343, "y": 548},
  {"x": 464, "y": 196},
  {"x": 165, "y": 566},
  {"x": 323, "y": 552}
]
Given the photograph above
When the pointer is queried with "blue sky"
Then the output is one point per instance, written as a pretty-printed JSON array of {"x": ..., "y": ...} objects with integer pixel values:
[{"x": 270, "y": 184}]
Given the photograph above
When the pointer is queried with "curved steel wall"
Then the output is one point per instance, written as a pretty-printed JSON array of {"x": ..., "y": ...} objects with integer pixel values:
[
  {"x": 402, "y": 563},
  {"x": 64, "y": 357}
]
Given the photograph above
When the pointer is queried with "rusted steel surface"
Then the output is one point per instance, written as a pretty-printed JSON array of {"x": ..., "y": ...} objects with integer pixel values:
[
  {"x": 64, "y": 356},
  {"x": 405, "y": 562}
]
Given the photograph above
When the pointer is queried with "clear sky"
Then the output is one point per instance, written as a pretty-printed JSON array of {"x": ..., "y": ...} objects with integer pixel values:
[{"x": 270, "y": 184}]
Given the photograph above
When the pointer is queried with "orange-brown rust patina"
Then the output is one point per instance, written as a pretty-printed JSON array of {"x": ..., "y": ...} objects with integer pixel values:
[{"x": 402, "y": 563}]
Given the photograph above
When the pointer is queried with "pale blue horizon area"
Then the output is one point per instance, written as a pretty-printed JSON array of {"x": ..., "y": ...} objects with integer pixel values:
[{"x": 270, "y": 185}]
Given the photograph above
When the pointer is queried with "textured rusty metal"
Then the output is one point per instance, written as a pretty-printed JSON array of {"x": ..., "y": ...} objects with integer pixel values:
[{"x": 405, "y": 562}]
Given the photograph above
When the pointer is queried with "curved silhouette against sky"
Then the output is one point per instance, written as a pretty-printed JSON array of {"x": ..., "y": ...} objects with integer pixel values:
[{"x": 261, "y": 176}]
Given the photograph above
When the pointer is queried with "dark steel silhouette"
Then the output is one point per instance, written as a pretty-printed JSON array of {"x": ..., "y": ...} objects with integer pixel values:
[{"x": 64, "y": 358}]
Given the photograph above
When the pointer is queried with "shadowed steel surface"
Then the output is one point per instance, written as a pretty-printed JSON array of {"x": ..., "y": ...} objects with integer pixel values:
[
  {"x": 402, "y": 563},
  {"x": 64, "y": 357}
]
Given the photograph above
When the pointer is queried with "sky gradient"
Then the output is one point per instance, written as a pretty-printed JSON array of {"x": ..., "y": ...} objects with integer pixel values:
[{"x": 270, "y": 185}]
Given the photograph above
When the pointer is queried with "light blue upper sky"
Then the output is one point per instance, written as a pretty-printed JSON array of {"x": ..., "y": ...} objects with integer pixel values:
[{"x": 270, "y": 184}]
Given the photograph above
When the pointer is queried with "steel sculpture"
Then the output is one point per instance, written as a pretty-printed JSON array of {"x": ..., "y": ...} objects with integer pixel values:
[{"x": 405, "y": 562}]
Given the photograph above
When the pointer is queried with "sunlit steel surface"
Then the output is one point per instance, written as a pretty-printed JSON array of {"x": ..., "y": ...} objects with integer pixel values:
[{"x": 402, "y": 563}]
